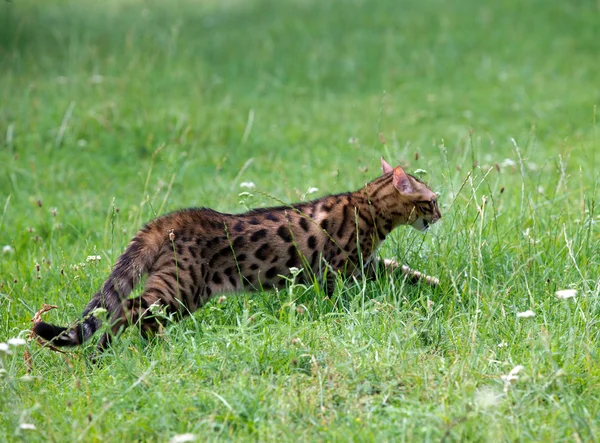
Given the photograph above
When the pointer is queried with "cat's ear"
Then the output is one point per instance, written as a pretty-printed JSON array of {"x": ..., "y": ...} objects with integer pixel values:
[
  {"x": 385, "y": 166},
  {"x": 402, "y": 181}
]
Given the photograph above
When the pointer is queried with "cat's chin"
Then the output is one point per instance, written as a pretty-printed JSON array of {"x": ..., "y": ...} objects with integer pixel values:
[{"x": 421, "y": 225}]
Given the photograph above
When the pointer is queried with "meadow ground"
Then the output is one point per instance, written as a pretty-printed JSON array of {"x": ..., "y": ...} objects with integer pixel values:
[{"x": 113, "y": 112}]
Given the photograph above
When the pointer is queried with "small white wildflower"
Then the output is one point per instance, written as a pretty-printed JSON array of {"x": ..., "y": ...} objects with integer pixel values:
[
  {"x": 503, "y": 345},
  {"x": 353, "y": 140},
  {"x": 508, "y": 162},
  {"x": 222, "y": 299},
  {"x": 565, "y": 294},
  {"x": 96, "y": 79},
  {"x": 420, "y": 172},
  {"x": 27, "y": 427},
  {"x": 311, "y": 190},
  {"x": 7, "y": 249},
  {"x": 526, "y": 314},
  {"x": 4, "y": 348},
  {"x": 17, "y": 341},
  {"x": 511, "y": 377},
  {"x": 249, "y": 185},
  {"x": 53, "y": 211},
  {"x": 183, "y": 438},
  {"x": 93, "y": 258},
  {"x": 156, "y": 308},
  {"x": 244, "y": 194}
]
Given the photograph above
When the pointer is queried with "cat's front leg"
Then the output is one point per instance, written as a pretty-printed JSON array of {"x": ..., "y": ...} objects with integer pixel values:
[{"x": 413, "y": 275}]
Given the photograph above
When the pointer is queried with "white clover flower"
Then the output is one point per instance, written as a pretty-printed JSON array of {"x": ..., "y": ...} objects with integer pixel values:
[
  {"x": 183, "y": 438},
  {"x": 17, "y": 341},
  {"x": 5, "y": 349},
  {"x": 508, "y": 162},
  {"x": 93, "y": 258},
  {"x": 249, "y": 185},
  {"x": 311, "y": 190},
  {"x": 511, "y": 377},
  {"x": 27, "y": 427},
  {"x": 7, "y": 249},
  {"x": 565, "y": 294},
  {"x": 486, "y": 398},
  {"x": 526, "y": 314},
  {"x": 502, "y": 345}
]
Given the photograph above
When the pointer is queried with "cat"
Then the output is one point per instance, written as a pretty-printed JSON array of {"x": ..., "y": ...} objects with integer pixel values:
[{"x": 193, "y": 254}]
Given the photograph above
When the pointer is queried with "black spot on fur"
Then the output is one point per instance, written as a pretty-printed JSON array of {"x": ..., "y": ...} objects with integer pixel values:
[
  {"x": 272, "y": 272},
  {"x": 294, "y": 260},
  {"x": 304, "y": 224},
  {"x": 239, "y": 227},
  {"x": 272, "y": 217},
  {"x": 194, "y": 276},
  {"x": 324, "y": 224},
  {"x": 343, "y": 224},
  {"x": 312, "y": 242},
  {"x": 258, "y": 235},
  {"x": 254, "y": 221},
  {"x": 254, "y": 266},
  {"x": 284, "y": 233},
  {"x": 238, "y": 242},
  {"x": 233, "y": 281},
  {"x": 212, "y": 242},
  {"x": 228, "y": 271},
  {"x": 262, "y": 253},
  {"x": 314, "y": 260},
  {"x": 216, "y": 278},
  {"x": 240, "y": 258}
]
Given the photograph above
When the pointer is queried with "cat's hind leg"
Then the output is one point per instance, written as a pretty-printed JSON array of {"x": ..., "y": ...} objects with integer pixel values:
[{"x": 161, "y": 297}]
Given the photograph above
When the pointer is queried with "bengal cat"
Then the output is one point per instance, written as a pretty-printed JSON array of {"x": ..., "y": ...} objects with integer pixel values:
[{"x": 193, "y": 254}]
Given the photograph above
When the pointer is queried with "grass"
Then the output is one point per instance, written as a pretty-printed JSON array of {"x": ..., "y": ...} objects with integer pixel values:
[{"x": 114, "y": 112}]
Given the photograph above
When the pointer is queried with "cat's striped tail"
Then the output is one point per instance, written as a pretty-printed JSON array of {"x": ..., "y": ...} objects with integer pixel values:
[{"x": 131, "y": 266}]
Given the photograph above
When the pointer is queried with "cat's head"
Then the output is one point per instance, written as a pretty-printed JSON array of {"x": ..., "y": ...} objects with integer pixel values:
[{"x": 418, "y": 201}]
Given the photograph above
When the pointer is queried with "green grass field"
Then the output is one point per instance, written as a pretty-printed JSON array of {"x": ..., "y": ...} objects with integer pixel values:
[{"x": 114, "y": 112}]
